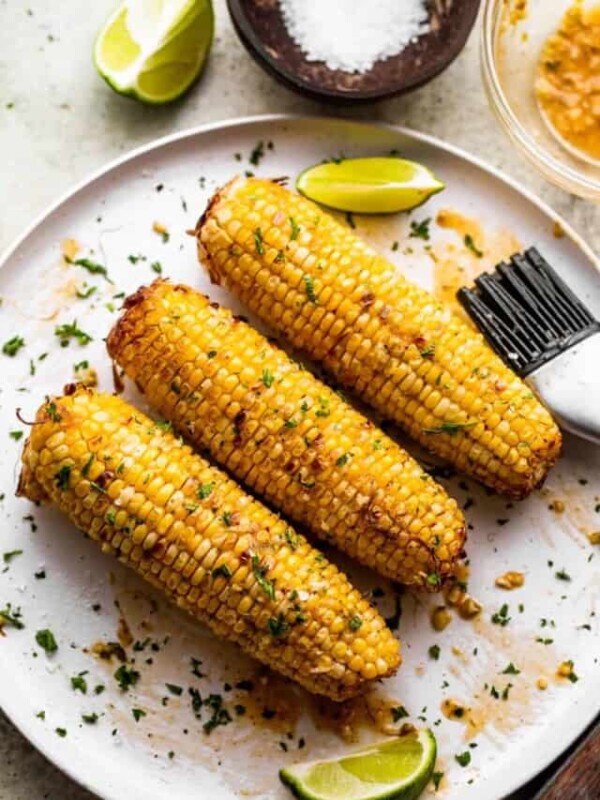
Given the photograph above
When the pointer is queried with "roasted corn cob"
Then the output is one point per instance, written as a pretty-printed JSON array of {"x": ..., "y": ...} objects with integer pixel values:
[
  {"x": 215, "y": 551},
  {"x": 316, "y": 283},
  {"x": 287, "y": 435}
]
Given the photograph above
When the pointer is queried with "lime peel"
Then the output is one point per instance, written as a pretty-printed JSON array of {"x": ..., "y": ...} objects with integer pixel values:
[
  {"x": 396, "y": 769},
  {"x": 154, "y": 50},
  {"x": 369, "y": 185}
]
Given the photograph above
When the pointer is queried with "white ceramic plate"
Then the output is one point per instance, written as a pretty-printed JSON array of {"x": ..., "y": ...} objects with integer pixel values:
[{"x": 111, "y": 217}]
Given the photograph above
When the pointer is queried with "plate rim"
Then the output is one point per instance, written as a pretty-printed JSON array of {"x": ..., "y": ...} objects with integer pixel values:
[{"x": 39, "y": 740}]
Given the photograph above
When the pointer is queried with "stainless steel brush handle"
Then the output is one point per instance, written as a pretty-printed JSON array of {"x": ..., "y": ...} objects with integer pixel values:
[{"x": 569, "y": 385}]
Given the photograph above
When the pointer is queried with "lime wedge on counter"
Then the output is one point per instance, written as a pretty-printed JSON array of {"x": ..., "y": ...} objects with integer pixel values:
[
  {"x": 154, "y": 50},
  {"x": 369, "y": 185},
  {"x": 395, "y": 769}
]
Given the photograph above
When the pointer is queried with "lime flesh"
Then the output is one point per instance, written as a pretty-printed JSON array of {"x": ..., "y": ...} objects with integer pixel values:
[
  {"x": 369, "y": 185},
  {"x": 397, "y": 769},
  {"x": 154, "y": 50}
]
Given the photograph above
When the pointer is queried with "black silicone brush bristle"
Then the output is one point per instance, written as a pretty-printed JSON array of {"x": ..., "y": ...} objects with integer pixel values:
[{"x": 526, "y": 312}]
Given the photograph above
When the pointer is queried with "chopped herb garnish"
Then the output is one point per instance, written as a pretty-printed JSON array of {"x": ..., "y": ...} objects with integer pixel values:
[
  {"x": 195, "y": 664},
  {"x": 84, "y": 294},
  {"x": 433, "y": 579},
  {"x": 428, "y": 352},
  {"x": 501, "y": 617},
  {"x": 205, "y": 490},
  {"x": 290, "y": 423},
  {"x": 126, "y": 677},
  {"x": 267, "y": 378},
  {"x": 420, "y": 230},
  {"x": 310, "y": 288},
  {"x": 220, "y": 715},
  {"x": 12, "y": 617},
  {"x": 295, "y": 229},
  {"x": 90, "y": 719},
  {"x": 464, "y": 759},
  {"x": 434, "y": 652},
  {"x": 451, "y": 428},
  {"x": 61, "y": 732},
  {"x": 79, "y": 683},
  {"x": 223, "y": 570},
  {"x": 506, "y": 690},
  {"x": 398, "y": 713},
  {"x": 63, "y": 476},
  {"x": 343, "y": 460},
  {"x": 138, "y": 713},
  {"x": 258, "y": 242},
  {"x": 91, "y": 266},
  {"x": 260, "y": 574},
  {"x": 211, "y": 354},
  {"x": 12, "y": 346},
  {"x": 86, "y": 467},
  {"x": 355, "y": 622},
  {"x": 323, "y": 410},
  {"x": 8, "y": 556},
  {"x": 291, "y": 538},
  {"x": 257, "y": 153},
  {"x": 174, "y": 689},
  {"x": 561, "y": 575},
  {"x": 70, "y": 331},
  {"x": 470, "y": 244},
  {"x": 436, "y": 779},
  {"x": 156, "y": 266},
  {"x": 278, "y": 626},
  {"x": 52, "y": 412},
  {"x": 226, "y": 518},
  {"x": 134, "y": 259},
  {"x": 45, "y": 639},
  {"x": 511, "y": 670}
]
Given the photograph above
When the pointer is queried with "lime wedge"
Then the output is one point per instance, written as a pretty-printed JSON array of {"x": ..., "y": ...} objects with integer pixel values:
[
  {"x": 397, "y": 769},
  {"x": 154, "y": 50},
  {"x": 369, "y": 185}
]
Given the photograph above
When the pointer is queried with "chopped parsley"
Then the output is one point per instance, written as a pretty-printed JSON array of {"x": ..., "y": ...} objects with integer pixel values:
[
  {"x": 464, "y": 759},
  {"x": 309, "y": 286},
  {"x": 511, "y": 670},
  {"x": 398, "y": 713},
  {"x": 12, "y": 617},
  {"x": 323, "y": 410},
  {"x": 278, "y": 626},
  {"x": 295, "y": 229},
  {"x": 90, "y": 719},
  {"x": 433, "y": 580},
  {"x": 226, "y": 518},
  {"x": 470, "y": 244},
  {"x": 501, "y": 617},
  {"x": 451, "y": 428},
  {"x": 205, "y": 490},
  {"x": 211, "y": 354},
  {"x": 434, "y": 652},
  {"x": 258, "y": 242},
  {"x": 8, "y": 556},
  {"x": 220, "y": 715},
  {"x": 436, "y": 779},
  {"x": 79, "y": 683},
  {"x": 561, "y": 575},
  {"x": 126, "y": 677},
  {"x": 174, "y": 689},
  {"x": 428, "y": 352},
  {"x": 69, "y": 331},
  {"x": 260, "y": 574},
  {"x": 61, "y": 732},
  {"x": 343, "y": 460},
  {"x": 91, "y": 266},
  {"x": 63, "y": 477},
  {"x": 12, "y": 346},
  {"x": 291, "y": 538},
  {"x": 52, "y": 412},
  {"x": 84, "y": 294},
  {"x": 355, "y": 622},
  {"x": 156, "y": 266},
  {"x": 420, "y": 230},
  {"x": 223, "y": 570},
  {"x": 267, "y": 378},
  {"x": 138, "y": 713},
  {"x": 45, "y": 639},
  {"x": 257, "y": 153}
]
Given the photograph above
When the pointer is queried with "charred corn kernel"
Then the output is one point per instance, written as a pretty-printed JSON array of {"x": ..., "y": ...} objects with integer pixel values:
[
  {"x": 285, "y": 434},
  {"x": 393, "y": 344},
  {"x": 278, "y": 597},
  {"x": 594, "y": 537},
  {"x": 510, "y": 580},
  {"x": 440, "y": 618}
]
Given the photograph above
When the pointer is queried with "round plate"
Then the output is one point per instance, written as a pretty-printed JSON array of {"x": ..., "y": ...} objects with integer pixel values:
[
  {"x": 262, "y": 30},
  {"x": 62, "y": 582}
]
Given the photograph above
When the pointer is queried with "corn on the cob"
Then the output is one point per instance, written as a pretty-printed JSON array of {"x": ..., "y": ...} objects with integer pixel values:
[
  {"x": 399, "y": 349},
  {"x": 287, "y": 435},
  {"x": 216, "y": 552}
]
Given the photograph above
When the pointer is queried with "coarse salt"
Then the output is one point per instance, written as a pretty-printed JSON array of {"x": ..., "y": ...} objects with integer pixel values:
[{"x": 350, "y": 35}]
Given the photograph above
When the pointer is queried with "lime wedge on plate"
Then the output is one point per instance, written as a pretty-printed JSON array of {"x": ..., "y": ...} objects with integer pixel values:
[
  {"x": 395, "y": 769},
  {"x": 369, "y": 185},
  {"x": 154, "y": 50}
]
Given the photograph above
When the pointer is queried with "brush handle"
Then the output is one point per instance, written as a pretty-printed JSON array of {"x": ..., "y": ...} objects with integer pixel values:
[{"x": 570, "y": 386}]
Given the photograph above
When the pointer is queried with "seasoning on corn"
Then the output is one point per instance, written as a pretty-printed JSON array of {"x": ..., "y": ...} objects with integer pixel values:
[
  {"x": 285, "y": 434},
  {"x": 137, "y": 490},
  {"x": 384, "y": 338}
]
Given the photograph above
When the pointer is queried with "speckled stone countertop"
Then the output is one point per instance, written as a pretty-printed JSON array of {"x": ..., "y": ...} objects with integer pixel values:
[{"x": 59, "y": 121}]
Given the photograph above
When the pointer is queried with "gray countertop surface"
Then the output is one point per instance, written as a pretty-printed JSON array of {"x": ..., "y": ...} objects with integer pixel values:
[{"x": 59, "y": 121}]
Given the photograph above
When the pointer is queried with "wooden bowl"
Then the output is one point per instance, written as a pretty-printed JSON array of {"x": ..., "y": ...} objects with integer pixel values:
[{"x": 260, "y": 26}]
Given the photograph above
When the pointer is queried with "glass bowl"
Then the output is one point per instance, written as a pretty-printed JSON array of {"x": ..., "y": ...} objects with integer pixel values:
[{"x": 513, "y": 35}]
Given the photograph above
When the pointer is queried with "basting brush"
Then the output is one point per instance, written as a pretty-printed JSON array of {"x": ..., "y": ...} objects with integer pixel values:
[{"x": 543, "y": 331}]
